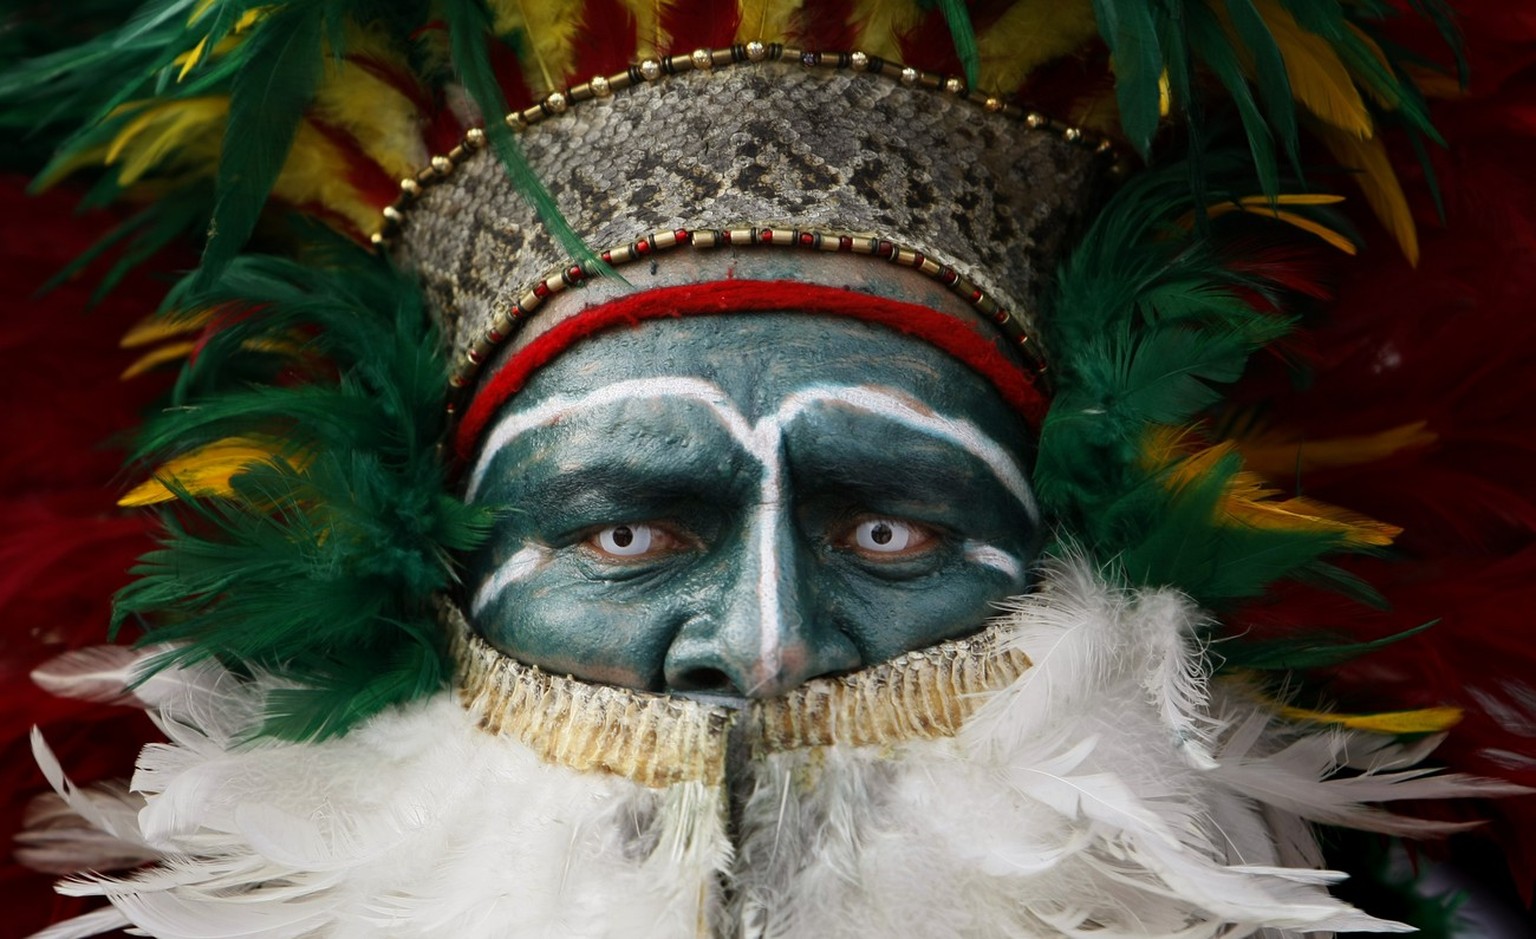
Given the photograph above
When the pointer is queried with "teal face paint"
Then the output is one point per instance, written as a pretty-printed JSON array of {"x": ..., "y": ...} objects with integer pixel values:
[{"x": 738, "y": 503}]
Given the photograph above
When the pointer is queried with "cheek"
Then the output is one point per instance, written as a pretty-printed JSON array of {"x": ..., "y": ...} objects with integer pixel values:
[
  {"x": 569, "y": 625},
  {"x": 886, "y": 618}
]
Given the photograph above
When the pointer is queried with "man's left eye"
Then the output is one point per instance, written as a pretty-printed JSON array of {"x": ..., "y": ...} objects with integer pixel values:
[{"x": 887, "y": 538}]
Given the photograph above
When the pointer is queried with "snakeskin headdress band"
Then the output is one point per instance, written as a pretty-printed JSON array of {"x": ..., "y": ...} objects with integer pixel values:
[{"x": 752, "y": 145}]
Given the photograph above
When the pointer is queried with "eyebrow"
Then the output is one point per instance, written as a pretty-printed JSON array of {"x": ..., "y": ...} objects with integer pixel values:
[{"x": 763, "y": 438}]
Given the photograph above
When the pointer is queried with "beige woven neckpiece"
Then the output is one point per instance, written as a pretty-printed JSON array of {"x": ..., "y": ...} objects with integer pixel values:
[{"x": 659, "y": 740}]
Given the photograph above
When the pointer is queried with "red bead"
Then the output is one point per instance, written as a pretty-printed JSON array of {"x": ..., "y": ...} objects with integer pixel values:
[
  {"x": 725, "y": 237},
  {"x": 541, "y": 290},
  {"x": 643, "y": 246},
  {"x": 495, "y": 336},
  {"x": 975, "y": 296},
  {"x": 575, "y": 272},
  {"x": 886, "y": 249},
  {"x": 844, "y": 243},
  {"x": 682, "y": 235},
  {"x": 766, "y": 236},
  {"x": 806, "y": 238}
]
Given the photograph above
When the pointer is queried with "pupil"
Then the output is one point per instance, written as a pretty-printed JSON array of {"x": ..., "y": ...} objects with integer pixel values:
[
  {"x": 881, "y": 533},
  {"x": 622, "y": 536}
]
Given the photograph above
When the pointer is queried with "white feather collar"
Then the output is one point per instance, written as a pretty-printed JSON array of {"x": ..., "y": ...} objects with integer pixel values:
[{"x": 1104, "y": 792}]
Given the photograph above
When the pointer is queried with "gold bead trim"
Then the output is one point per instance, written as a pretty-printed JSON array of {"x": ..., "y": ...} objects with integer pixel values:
[{"x": 572, "y": 274}]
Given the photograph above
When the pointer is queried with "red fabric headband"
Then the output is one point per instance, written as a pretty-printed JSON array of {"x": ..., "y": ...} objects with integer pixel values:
[{"x": 941, "y": 330}]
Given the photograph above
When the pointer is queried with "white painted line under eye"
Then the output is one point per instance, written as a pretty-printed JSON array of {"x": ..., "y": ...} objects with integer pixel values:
[
  {"x": 978, "y": 552},
  {"x": 520, "y": 566}
]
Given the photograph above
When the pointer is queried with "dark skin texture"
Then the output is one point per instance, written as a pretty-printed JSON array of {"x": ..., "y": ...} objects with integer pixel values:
[{"x": 690, "y": 516}]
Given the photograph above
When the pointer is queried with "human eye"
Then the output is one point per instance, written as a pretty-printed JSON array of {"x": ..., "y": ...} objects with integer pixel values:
[
  {"x": 633, "y": 542},
  {"x": 886, "y": 539}
]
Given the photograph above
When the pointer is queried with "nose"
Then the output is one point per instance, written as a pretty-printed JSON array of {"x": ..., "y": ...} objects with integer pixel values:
[{"x": 757, "y": 635}]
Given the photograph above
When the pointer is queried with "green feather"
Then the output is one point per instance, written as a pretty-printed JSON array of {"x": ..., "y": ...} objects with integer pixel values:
[
  {"x": 963, "y": 34},
  {"x": 270, "y": 92},
  {"x": 1269, "y": 72},
  {"x": 1129, "y": 29},
  {"x": 323, "y": 564},
  {"x": 469, "y": 31}
]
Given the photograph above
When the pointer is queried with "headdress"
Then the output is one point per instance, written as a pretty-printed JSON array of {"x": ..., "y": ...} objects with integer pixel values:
[{"x": 1126, "y": 197}]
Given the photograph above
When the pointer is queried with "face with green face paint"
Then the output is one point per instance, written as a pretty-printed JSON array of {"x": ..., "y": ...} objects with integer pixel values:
[
  {"x": 684, "y": 523},
  {"x": 735, "y": 504}
]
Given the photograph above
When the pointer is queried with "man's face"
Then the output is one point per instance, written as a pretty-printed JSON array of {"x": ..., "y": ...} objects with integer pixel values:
[{"x": 736, "y": 504}]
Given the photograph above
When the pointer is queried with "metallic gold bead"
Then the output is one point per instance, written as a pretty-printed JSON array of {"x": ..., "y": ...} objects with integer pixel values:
[
  {"x": 954, "y": 85},
  {"x": 756, "y": 51},
  {"x": 702, "y": 59},
  {"x": 556, "y": 102},
  {"x": 410, "y": 187},
  {"x": 650, "y": 70},
  {"x": 909, "y": 76},
  {"x": 600, "y": 87},
  {"x": 1072, "y": 134},
  {"x": 442, "y": 165},
  {"x": 393, "y": 214},
  {"x": 377, "y": 238},
  {"x": 516, "y": 121},
  {"x": 859, "y": 60},
  {"x": 475, "y": 137},
  {"x": 1104, "y": 147},
  {"x": 1035, "y": 119},
  {"x": 994, "y": 104}
]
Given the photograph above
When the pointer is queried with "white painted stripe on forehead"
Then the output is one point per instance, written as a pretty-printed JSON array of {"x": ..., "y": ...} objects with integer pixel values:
[
  {"x": 958, "y": 431},
  {"x": 547, "y": 412}
]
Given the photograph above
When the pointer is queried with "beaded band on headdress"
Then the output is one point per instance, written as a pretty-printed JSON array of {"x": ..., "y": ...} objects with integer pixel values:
[{"x": 473, "y": 346}]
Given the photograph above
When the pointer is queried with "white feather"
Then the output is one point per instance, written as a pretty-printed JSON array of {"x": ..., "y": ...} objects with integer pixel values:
[{"x": 1109, "y": 793}]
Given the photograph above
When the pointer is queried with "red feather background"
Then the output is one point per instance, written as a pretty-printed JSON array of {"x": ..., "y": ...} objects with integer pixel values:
[
  {"x": 1451, "y": 344},
  {"x": 65, "y": 546}
]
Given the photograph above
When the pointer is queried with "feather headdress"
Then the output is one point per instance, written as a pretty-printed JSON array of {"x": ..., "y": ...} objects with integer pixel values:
[{"x": 296, "y": 460}]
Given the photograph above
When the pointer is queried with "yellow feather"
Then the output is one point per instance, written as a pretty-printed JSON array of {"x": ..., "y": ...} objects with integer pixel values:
[
  {"x": 185, "y": 132},
  {"x": 1423, "y": 721},
  {"x": 158, "y": 357},
  {"x": 1379, "y": 182},
  {"x": 207, "y": 470},
  {"x": 1319, "y": 79},
  {"x": 316, "y": 174},
  {"x": 881, "y": 23},
  {"x": 549, "y": 29},
  {"x": 1305, "y": 224},
  {"x": 1030, "y": 34},
  {"x": 1278, "y": 456},
  {"x": 1249, "y": 501},
  {"x": 384, "y": 122},
  {"x": 651, "y": 40},
  {"x": 768, "y": 20},
  {"x": 159, "y": 327}
]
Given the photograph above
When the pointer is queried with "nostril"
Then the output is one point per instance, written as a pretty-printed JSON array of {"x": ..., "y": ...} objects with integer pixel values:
[{"x": 703, "y": 679}]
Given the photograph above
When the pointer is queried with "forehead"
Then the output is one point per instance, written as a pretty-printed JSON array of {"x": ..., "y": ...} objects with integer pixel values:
[{"x": 759, "y": 360}]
